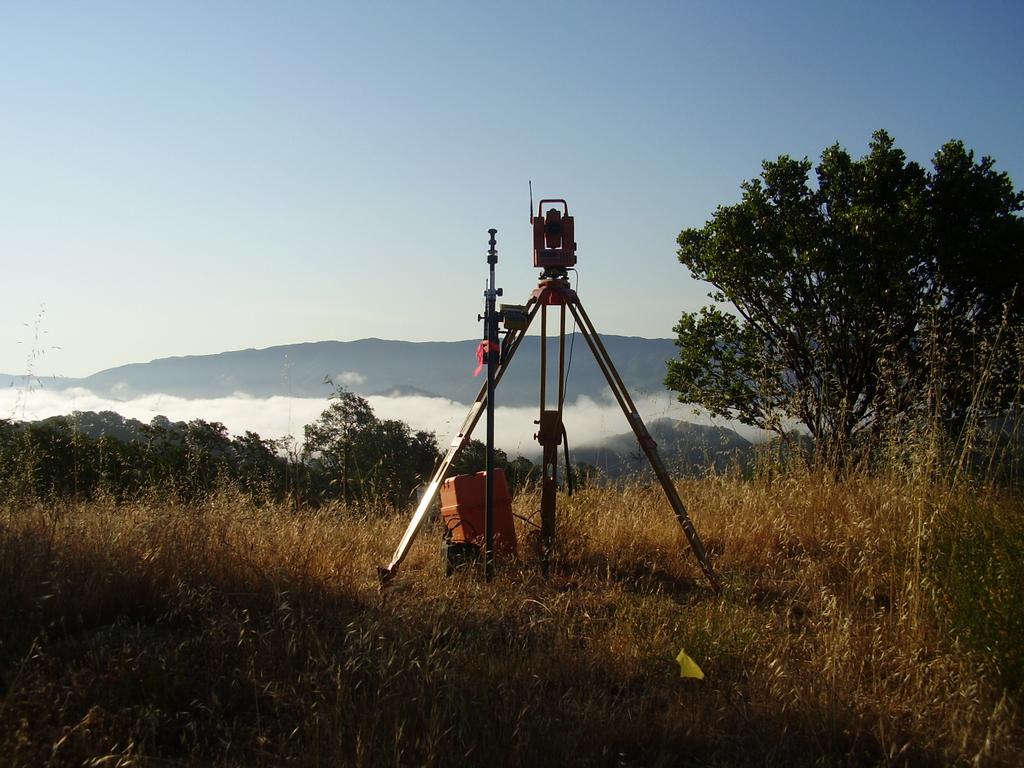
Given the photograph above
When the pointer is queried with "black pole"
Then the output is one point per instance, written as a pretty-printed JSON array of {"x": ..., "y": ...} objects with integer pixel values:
[{"x": 491, "y": 323}]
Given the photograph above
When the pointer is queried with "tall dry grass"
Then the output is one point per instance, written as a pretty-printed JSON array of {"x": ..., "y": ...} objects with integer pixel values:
[{"x": 867, "y": 622}]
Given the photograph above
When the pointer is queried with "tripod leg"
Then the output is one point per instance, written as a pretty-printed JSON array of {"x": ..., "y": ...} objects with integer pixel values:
[
  {"x": 549, "y": 434},
  {"x": 550, "y": 437},
  {"x": 387, "y": 573},
  {"x": 644, "y": 438}
]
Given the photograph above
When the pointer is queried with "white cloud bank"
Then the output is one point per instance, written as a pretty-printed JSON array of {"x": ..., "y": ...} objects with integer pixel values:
[{"x": 586, "y": 420}]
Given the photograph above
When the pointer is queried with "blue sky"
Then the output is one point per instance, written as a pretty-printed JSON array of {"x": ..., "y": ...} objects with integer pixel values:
[{"x": 186, "y": 178}]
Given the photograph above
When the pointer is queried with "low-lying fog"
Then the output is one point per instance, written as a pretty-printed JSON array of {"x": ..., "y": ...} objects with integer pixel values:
[{"x": 586, "y": 420}]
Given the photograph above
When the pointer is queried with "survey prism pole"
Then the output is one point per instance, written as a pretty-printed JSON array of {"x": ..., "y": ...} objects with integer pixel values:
[{"x": 491, "y": 352}]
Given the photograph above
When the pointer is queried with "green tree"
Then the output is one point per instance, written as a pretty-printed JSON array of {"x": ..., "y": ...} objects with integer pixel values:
[
  {"x": 207, "y": 452},
  {"x": 340, "y": 442},
  {"x": 522, "y": 473},
  {"x": 975, "y": 270},
  {"x": 473, "y": 458},
  {"x": 77, "y": 456},
  {"x": 258, "y": 466},
  {"x": 404, "y": 460},
  {"x": 364, "y": 458},
  {"x": 826, "y": 294}
]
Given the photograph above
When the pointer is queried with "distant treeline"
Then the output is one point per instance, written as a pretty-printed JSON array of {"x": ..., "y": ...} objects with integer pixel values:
[{"x": 348, "y": 454}]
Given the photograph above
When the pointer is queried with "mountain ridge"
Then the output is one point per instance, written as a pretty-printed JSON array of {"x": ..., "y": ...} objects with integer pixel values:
[{"x": 371, "y": 366}]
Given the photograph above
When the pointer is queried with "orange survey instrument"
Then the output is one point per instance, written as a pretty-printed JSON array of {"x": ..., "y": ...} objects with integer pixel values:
[
  {"x": 462, "y": 509},
  {"x": 554, "y": 243}
]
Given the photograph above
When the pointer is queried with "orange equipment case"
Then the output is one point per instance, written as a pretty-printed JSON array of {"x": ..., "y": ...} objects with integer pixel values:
[{"x": 463, "y": 502}]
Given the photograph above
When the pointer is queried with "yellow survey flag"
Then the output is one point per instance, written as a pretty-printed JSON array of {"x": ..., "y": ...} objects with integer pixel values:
[{"x": 688, "y": 667}]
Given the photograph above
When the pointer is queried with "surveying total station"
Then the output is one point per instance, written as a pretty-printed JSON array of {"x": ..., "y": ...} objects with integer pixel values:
[{"x": 470, "y": 503}]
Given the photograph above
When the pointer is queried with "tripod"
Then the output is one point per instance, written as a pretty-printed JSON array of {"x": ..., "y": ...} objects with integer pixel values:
[{"x": 553, "y": 290}]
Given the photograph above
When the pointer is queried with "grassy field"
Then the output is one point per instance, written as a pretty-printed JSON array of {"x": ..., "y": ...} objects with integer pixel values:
[{"x": 869, "y": 622}]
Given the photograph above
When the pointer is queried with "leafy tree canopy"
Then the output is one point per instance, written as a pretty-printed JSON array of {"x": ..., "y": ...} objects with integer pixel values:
[
  {"x": 365, "y": 457},
  {"x": 846, "y": 297}
]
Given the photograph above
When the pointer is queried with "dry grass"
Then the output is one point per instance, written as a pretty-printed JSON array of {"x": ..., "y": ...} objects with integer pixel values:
[{"x": 851, "y": 631}]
